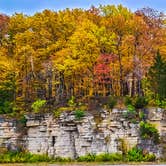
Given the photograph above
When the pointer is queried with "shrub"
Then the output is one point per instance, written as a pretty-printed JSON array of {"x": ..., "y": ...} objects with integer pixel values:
[
  {"x": 140, "y": 102},
  {"x": 147, "y": 91},
  {"x": 128, "y": 101},
  {"x": 87, "y": 158},
  {"x": 141, "y": 115},
  {"x": 131, "y": 113},
  {"x": 108, "y": 157},
  {"x": 61, "y": 159},
  {"x": 57, "y": 113},
  {"x": 71, "y": 102},
  {"x": 103, "y": 157},
  {"x": 122, "y": 145},
  {"x": 131, "y": 108},
  {"x": 79, "y": 114},
  {"x": 136, "y": 154},
  {"x": 23, "y": 120},
  {"x": 37, "y": 105},
  {"x": 160, "y": 103},
  {"x": 148, "y": 131},
  {"x": 112, "y": 102},
  {"x": 149, "y": 157},
  {"x": 38, "y": 158},
  {"x": 6, "y": 107},
  {"x": 21, "y": 157}
]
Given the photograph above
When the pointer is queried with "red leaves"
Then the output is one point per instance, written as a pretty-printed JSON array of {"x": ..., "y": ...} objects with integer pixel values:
[
  {"x": 3, "y": 21},
  {"x": 102, "y": 69}
]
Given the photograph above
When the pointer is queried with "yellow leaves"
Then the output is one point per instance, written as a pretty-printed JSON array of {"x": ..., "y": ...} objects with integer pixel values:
[
  {"x": 35, "y": 39},
  {"x": 84, "y": 45},
  {"x": 18, "y": 23},
  {"x": 25, "y": 50},
  {"x": 6, "y": 62},
  {"x": 55, "y": 47},
  {"x": 85, "y": 36},
  {"x": 116, "y": 18},
  {"x": 21, "y": 39},
  {"x": 58, "y": 59},
  {"x": 67, "y": 44},
  {"x": 163, "y": 51},
  {"x": 3, "y": 51},
  {"x": 6, "y": 66},
  {"x": 112, "y": 10},
  {"x": 106, "y": 40}
]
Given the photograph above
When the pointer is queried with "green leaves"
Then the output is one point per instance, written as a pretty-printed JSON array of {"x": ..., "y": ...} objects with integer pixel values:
[
  {"x": 148, "y": 131},
  {"x": 136, "y": 154},
  {"x": 79, "y": 114},
  {"x": 157, "y": 76},
  {"x": 38, "y": 105}
]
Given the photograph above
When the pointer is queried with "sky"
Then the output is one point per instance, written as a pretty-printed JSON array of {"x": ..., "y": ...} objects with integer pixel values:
[{"x": 30, "y": 7}]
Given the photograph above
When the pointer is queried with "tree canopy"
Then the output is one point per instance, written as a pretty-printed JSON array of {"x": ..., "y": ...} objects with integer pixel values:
[{"x": 101, "y": 51}]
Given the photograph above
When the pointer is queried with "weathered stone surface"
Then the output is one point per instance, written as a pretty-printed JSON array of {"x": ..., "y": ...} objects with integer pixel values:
[{"x": 68, "y": 137}]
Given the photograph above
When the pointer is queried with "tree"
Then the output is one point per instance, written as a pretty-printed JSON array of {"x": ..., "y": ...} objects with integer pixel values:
[
  {"x": 157, "y": 76},
  {"x": 7, "y": 84},
  {"x": 103, "y": 74},
  {"x": 74, "y": 52},
  {"x": 116, "y": 20},
  {"x": 4, "y": 19}
]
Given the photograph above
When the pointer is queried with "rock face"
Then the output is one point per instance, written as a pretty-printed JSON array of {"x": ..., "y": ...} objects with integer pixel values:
[
  {"x": 69, "y": 137},
  {"x": 11, "y": 135}
]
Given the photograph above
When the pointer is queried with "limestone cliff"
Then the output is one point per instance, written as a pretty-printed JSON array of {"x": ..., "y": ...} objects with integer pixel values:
[{"x": 69, "y": 137}]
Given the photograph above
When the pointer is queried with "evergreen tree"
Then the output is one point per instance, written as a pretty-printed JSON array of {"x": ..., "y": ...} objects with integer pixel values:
[{"x": 157, "y": 76}]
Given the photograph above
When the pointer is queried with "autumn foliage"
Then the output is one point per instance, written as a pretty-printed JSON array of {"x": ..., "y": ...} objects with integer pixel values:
[{"x": 96, "y": 52}]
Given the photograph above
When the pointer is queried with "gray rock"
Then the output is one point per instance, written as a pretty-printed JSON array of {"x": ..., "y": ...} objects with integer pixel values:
[{"x": 67, "y": 137}]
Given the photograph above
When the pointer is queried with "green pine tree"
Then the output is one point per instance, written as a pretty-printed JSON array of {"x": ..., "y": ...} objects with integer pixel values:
[{"x": 157, "y": 76}]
